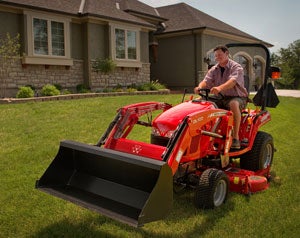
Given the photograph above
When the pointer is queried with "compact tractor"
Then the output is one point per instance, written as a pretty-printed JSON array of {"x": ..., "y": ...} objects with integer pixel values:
[{"x": 189, "y": 147}]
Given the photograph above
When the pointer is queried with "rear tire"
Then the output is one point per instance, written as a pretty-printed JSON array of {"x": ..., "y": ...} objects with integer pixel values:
[
  {"x": 261, "y": 154},
  {"x": 212, "y": 189}
]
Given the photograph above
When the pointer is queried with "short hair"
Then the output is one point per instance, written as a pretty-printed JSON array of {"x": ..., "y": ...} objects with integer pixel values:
[{"x": 221, "y": 47}]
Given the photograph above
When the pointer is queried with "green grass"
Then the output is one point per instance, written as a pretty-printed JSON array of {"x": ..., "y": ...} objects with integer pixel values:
[{"x": 29, "y": 140}]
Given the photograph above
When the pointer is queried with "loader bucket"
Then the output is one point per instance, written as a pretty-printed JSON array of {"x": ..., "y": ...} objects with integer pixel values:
[{"x": 128, "y": 188}]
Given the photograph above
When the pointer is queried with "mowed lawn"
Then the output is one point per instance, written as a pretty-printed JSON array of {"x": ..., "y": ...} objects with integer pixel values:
[{"x": 29, "y": 140}]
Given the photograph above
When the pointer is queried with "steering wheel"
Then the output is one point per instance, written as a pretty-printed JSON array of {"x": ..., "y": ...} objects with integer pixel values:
[{"x": 205, "y": 93}]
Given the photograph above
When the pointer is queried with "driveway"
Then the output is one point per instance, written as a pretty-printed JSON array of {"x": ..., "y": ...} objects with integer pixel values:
[{"x": 288, "y": 93}]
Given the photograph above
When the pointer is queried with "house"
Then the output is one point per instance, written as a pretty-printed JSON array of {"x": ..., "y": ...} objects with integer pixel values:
[
  {"x": 60, "y": 41},
  {"x": 183, "y": 48}
]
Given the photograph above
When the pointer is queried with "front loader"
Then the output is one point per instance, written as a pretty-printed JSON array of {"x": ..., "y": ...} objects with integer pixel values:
[{"x": 133, "y": 181}]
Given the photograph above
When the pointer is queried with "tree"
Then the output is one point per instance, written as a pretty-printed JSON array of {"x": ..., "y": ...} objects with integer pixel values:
[
  {"x": 9, "y": 52},
  {"x": 289, "y": 61}
]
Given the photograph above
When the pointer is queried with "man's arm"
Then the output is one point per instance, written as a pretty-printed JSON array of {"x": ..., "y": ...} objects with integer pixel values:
[
  {"x": 223, "y": 87},
  {"x": 202, "y": 84}
]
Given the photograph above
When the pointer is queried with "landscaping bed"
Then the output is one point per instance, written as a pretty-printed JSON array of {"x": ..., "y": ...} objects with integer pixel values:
[{"x": 79, "y": 96}]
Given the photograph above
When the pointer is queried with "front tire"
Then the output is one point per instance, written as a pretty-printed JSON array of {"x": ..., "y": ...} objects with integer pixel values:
[
  {"x": 212, "y": 189},
  {"x": 261, "y": 155}
]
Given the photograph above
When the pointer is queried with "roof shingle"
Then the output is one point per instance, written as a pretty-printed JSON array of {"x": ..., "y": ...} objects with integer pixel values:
[
  {"x": 99, "y": 8},
  {"x": 184, "y": 17}
]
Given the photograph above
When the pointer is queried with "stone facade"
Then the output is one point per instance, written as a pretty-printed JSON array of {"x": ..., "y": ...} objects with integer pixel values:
[
  {"x": 122, "y": 76},
  {"x": 17, "y": 75}
]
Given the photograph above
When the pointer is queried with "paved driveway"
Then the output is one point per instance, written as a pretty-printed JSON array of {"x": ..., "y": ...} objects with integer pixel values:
[
  {"x": 285, "y": 93},
  {"x": 288, "y": 93}
]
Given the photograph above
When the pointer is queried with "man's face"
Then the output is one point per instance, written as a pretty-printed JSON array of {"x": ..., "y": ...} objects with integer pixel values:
[{"x": 221, "y": 57}]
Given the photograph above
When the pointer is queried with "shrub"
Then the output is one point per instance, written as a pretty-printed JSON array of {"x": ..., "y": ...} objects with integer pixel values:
[
  {"x": 131, "y": 90},
  {"x": 49, "y": 90},
  {"x": 155, "y": 85},
  {"x": 151, "y": 86},
  {"x": 106, "y": 90},
  {"x": 25, "y": 92},
  {"x": 58, "y": 86},
  {"x": 65, "y": 91},
  {"x": 31, "y": 86},
  {"x": 104, "y": 65},
  {"x": 81, "y": 88}
]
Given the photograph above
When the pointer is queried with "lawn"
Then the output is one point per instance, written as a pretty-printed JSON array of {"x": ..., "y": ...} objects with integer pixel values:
[{"x": 30, "y": 134}]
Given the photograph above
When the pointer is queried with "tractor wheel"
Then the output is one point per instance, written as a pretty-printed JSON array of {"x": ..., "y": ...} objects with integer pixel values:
[
  {"x": 261, "y": 154},
  {"x": 212, "y": 189}
]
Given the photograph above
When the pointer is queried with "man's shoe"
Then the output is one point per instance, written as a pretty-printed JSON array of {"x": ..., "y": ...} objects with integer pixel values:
[{"x": 235, "y": 144}]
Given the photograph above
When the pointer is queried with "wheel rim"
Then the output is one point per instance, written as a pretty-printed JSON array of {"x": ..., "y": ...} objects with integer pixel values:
[
  {"x": 220, "y": 192},
  {"x": 268, "y": 156}
]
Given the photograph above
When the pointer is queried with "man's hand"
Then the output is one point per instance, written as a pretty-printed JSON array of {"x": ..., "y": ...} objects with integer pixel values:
[
  {"x": 196, "y": 90},
  {"x": 215, "y": 90}
]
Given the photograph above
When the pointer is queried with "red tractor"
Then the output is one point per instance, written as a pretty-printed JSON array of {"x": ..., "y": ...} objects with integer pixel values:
[{"x": 133, "y": 181}]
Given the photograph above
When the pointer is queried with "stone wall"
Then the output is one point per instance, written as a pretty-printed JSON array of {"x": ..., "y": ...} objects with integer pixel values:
[
  {"x": 16, "y": 75},
  {"x": 122, "y": 76}
]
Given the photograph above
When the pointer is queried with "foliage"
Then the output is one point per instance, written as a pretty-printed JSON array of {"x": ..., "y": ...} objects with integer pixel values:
[
  {"x": 131, "y": 90},
  {"x": 25, "y": 92},
  {"x": 81, "y": 88},
  {"x": 49, "y": 90},
  {"x": 289, "y": 62},
  {"x": 151, "y": 86},
  {"x": 104, "y": 65},
  {"x": 65, "y": 91},
  {"x": 58, "y": 86},
  {"x": 10, "y": 46},
  {"x": 9, "y": 51},
  {"x": 30, "y": 136}
]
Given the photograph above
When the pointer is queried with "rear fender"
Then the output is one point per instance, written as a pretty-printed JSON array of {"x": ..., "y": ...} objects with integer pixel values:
[{"x": 257, "y": 121}]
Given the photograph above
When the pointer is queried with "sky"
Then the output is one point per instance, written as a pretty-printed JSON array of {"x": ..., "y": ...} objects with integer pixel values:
[{"x": 273, "y": 21}]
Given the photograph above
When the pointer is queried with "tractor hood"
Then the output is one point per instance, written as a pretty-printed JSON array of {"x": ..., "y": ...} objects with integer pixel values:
[{"x": 170, "y": 119}]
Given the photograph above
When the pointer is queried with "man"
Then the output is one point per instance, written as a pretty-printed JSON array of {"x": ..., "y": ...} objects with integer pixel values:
[{"x": 227, "y": 78}]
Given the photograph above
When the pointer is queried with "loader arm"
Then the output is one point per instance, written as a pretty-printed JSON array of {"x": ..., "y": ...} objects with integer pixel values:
[{"x": 127, "y": 117}]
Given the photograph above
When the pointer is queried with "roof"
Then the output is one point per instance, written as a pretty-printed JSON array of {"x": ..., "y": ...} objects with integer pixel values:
[
  {"x": 107, "y": 9},
  {"x": 177, "y": 17},
  {"x": 184, "y": 17}
]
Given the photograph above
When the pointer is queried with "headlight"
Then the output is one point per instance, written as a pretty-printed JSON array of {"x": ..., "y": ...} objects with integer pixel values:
[
  {"x": 169, "y": 134},
  {"x": 155, "y": 131}
]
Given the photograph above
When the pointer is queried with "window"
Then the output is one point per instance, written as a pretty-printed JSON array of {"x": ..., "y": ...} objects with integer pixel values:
[
  {"x": 126, "y": 44},
  {"x": 131, "y": 44},
  {"x": 243, "y": 62},
  {"x": 48, "y": 37}
]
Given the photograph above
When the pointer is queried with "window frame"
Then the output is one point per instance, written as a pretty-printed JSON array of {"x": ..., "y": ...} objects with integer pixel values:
[
  {"x": 48, "y": 59},
  {"x": 126, "y": 62}
]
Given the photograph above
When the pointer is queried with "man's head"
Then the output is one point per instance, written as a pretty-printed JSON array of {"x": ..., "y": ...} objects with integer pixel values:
[{"x": 221, "y": 55}]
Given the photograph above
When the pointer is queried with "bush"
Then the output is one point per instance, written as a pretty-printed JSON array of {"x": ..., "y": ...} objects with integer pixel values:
[
  {"x": 58, "y": 86},
  {"x": 65, "y": 91},
  {"x": 152, "y": 86},
  {"x": 81, "y": 88},
  {"x": 104, "y": 65},
  {"x": 25, "y": 92},
  {"x": 155, "y": 85},
  {"x": 131, "y": 90},
  {"x": 49, "y": 90}
]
